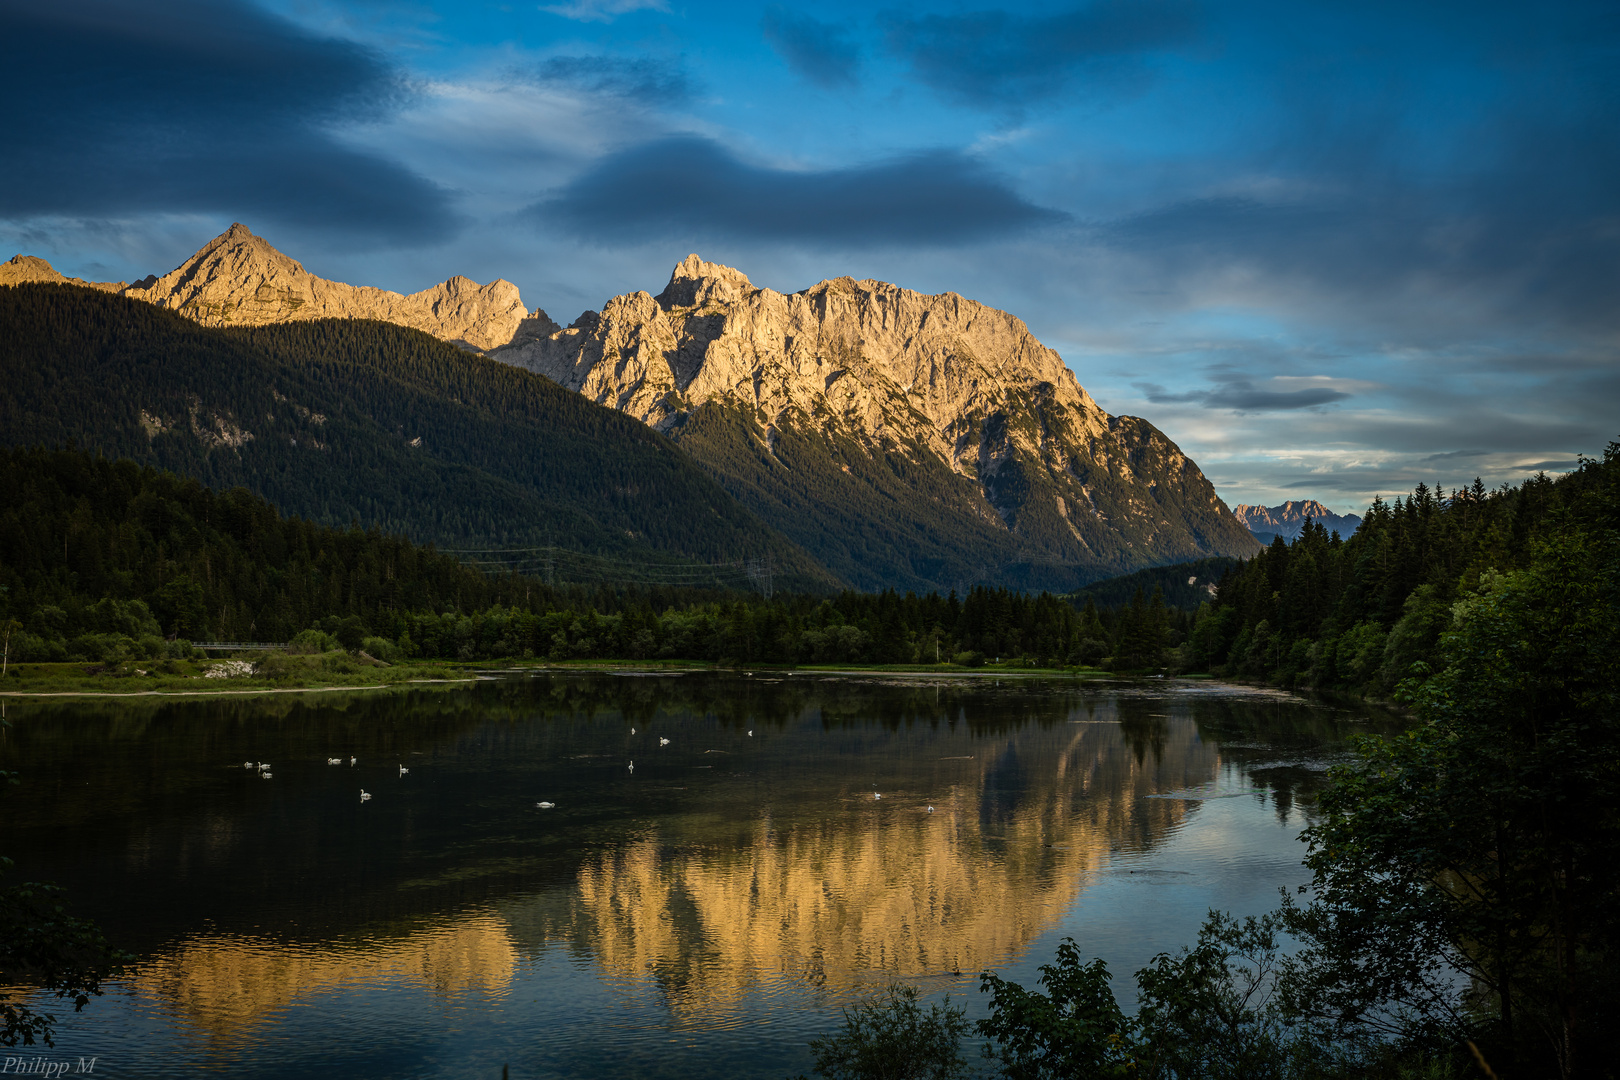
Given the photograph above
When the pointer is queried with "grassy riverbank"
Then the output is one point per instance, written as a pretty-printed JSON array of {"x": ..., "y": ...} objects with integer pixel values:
[{"x": 282, "y": 673}]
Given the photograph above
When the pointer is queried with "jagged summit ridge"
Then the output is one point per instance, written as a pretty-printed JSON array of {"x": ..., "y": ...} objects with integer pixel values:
[
  {"x": 1036, "y": 469},
  {"x": 239, "y": 279},
  {"x": 1288, "y": 519}
]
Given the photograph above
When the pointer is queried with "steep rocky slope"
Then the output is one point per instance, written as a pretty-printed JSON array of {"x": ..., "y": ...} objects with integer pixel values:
[
  {"x": 905, "y": 439},
  {"x": 238, "y": 279},
  {"x": 345, "y": 420},
  {"x": 1288, "y": 519},
  {"x": 23, "y": 269}
]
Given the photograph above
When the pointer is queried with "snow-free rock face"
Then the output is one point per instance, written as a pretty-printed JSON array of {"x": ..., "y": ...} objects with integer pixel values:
[
  {"x": 238, "y": 279},
  {"x": 1288, "y": 519},
  {"x": 22, "y": 269},
  {"x": 991, "y": 436}
]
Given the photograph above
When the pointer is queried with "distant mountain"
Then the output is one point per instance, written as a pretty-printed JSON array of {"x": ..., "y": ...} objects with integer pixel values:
[
  {"x": 1288, "y": 519},
  {"x": 344, "y": 421},
  {"x": 905, "y": 440},
  {"x": 238, "y": 279}
]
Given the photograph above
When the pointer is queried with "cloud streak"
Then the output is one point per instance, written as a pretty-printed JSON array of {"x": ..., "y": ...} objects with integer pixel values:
[
  {"x": 116, "y": 108},
  {"x": 689, "y": 186},
  {"x": 821, "y": 53},
  {"x": 995, "y": 59}
]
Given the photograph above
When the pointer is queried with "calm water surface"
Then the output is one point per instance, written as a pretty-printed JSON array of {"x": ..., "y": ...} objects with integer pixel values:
[{"x": 702, "y": 914}]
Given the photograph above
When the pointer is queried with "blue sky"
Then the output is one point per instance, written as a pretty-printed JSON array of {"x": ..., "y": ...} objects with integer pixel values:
[{"x": 1331, "y": 249}]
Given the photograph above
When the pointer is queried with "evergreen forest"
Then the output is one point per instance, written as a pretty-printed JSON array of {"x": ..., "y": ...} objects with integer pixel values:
[{"x": 340, "y": 421}]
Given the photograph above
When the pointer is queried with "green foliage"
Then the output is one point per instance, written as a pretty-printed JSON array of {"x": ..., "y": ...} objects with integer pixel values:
[
  {"x": 1368, "y": 608},
  {"x": 1075, "y": 1029},
  {"x": 1210, "y": 1012},
  {"x": 891, "y": 1038},
  {"x": 1481, "y": 849},
  {"x": 345, "y": 420}
]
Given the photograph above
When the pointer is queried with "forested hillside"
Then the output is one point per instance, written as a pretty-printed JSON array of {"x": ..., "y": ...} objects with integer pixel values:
[
  {"x": 102, "y": 559},
  {"x": 1358, "y": 614},
  {"x": 343, "y": 421}
]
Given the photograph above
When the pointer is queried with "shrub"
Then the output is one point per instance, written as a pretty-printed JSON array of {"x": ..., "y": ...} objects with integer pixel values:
[{"x": 380, "y": 648}]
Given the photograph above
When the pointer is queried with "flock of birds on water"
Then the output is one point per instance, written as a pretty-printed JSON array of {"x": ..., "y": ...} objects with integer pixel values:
[{"x": 263, "y": 768}]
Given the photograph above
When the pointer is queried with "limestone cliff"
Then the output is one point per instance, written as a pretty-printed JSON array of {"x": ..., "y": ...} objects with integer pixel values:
[
  {"x": 20, "y": 269},
  {"x": 238, "y": 279},
  {"x": 1288, "y": 519},
  {"x": 941, "y": 430}
]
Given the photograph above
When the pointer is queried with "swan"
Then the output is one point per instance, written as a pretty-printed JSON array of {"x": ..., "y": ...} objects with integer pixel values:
[
  {"x": 662, "y": 741},
  {"x": 545, "y": 805},
  {"x": 403, "y": 770},
  {"x": 353, "y": 759},
  {"x": 364, "y": 794},
  {"x": 263, "y": 765},
  {"x": 632, "y": 766},
  {"x": 247, "y": 764},
  {"x": 265, "y": 775},
  {"x": 632, "y": 731},
  {"x": 750, "y": 733},
  {"x": 334, "y": 761},
  {"x": 876, "y": 795},
  {"x": 930, "y": 809}
]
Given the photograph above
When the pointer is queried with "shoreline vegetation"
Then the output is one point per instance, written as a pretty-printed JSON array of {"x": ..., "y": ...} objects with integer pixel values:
[{"x": 337, "y": 670}]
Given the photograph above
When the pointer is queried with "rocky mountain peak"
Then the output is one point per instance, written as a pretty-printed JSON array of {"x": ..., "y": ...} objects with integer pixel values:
[
  {"x": 962, "y": 392},
  {"x": 23, "y": 269},
  {"x": 239, "y": 279},
  {"x": 695, "y": 283},
  {"x": 1288, "y": 519}
]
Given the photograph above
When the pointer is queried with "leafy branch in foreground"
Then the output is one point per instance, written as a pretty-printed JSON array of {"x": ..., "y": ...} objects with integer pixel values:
[{"x": 890, "y": 1037}]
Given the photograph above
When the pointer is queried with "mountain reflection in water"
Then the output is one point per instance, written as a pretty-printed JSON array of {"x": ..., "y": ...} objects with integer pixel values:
[{"x": 730, "y": 878}]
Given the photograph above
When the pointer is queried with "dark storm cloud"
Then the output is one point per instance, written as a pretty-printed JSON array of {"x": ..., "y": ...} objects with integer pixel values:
[
  {"x": 643, "y": 79},
  {"x": 996, "y": 59},
  {"x": 1240, "y": 394},
  {"x": 821, "y": 53},
  {"x": 690, "y": 186},
  {"x": 1488, "y": 183},
  {"x": 116, "y": 108}
]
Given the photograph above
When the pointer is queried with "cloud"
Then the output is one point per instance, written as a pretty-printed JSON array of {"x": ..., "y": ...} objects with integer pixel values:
[
  {"x": 643, "y": 79},
  {"x": 1239, "y": 393},
  {"x": 821, "y": 53},
  {"x": 995, "y": 59},
  {"x": 691, "y": 187},
  {"x": 603, "y": 10},
  {"x": 116, "y": 108}
]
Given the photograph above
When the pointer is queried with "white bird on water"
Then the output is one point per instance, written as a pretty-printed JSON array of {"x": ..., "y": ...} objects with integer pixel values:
[
  {"x": 876, "y": 795},
  {"x": 247, "y": 764},
  {"x": 750, "y": 733},
  {"x": 264, "y": 775},
  {"x": 632, "y": 766},
  {"x": 662, "y": 741},
  {"x": 263, "y": 765},
  {"x": 545, "y": 805},
  {"x": 334, "y": 761},
  {"x": 364, "y": 794},
  {"x": 403, "y": 770},
  {"x": 632, "y": 731},
  {"x": 930, "y": 809}
]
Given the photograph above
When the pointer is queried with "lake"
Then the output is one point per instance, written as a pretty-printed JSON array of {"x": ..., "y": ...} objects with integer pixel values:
[{"x": 782, "y": 846}]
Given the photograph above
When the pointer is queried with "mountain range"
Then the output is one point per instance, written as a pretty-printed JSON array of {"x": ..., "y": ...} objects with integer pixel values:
[
  {"x": 900, "y": 439},
  {"x": 1288, "y": 519}
]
